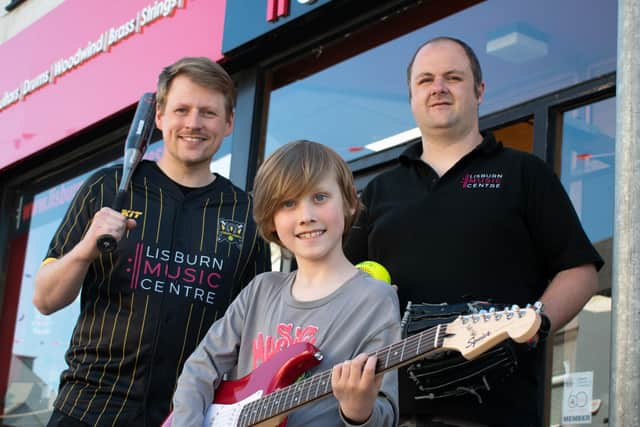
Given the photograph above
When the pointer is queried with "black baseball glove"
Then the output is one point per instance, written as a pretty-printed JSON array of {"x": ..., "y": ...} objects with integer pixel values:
[{"x": 447, "y": 373}]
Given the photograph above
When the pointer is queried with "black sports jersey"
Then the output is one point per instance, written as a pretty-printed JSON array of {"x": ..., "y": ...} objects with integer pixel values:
[
  {"x": 497, "y": 226},
  {"x": 146, "y": 306}
]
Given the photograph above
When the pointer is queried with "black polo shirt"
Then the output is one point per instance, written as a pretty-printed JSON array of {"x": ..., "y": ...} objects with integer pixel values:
[
  {"x": 497, "y": 226},
  {"x": 146, "y": 306}
]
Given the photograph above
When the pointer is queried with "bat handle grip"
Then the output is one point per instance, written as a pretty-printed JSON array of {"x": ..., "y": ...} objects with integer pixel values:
[{"x": 106, "y": 242}]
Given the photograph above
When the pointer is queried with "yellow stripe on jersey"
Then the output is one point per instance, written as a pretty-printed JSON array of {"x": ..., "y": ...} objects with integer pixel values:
[
  {"x": 215, "y": 244},
  {"x": 104, "y": 315},
  {"x": 235, "y": 271},
  {"x": 199, "y": 338},
  {"x": 233, "y": 217},
  {"x": 84, "y": 315},
  {"x": 184, "y": 341},
  {"x": 124, "y": 347},
  {"x": 253, "y": 247},
  {"x": 146, "y": 208},
  {"x": 68, "y": 214},
  {"x": 130, "y": 206},
  {"x": 75, "y": 221},
  {"x": 135, "y": 365},
  {"x": 204, "y": 215},
  {"x": 91, "y": 328},
  {"x": 104, "y": 368},
  {"x": 159, "y": 217}
]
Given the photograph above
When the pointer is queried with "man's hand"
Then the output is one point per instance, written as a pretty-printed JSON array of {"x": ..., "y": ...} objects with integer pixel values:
[
  {"x": 356, "y": 387},
  {"x": 58, "y": 283},
  {"x": 105, "y": 221}
]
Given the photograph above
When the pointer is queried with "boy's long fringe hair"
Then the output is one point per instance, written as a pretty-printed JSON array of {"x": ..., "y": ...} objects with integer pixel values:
[{"x": 293, "y": 170}]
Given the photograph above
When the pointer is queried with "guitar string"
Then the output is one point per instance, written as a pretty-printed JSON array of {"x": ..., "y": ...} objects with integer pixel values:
[
  {"x": 324, "y": 378},
  {"x": 410, "y": 346}
]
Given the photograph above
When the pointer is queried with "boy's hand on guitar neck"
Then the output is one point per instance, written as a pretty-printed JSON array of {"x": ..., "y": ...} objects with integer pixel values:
[{"x": 356, "y": 386}]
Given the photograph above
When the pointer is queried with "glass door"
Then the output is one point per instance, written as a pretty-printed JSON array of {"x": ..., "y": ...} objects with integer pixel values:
[{"x": 580, "y": 370}]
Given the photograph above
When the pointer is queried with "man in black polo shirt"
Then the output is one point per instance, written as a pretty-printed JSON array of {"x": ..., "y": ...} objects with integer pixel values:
[
  {"x": 191, "y": 248},
  {"x": 461, "y": 217}
]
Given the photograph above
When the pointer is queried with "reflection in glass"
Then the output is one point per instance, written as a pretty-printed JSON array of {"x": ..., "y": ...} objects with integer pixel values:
[
  {"x": 518, "y": 136},
  {"x": 587, "y": 173},
  {"x": 526, "y": 49},
  {"x": 588, "y": 161},
  {"x": 39, "y": 343},
  {"x": 583, "y": 346}
]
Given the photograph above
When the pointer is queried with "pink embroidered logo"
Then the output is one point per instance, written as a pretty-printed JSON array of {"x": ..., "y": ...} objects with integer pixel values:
[{"x": 482, "y": 180}]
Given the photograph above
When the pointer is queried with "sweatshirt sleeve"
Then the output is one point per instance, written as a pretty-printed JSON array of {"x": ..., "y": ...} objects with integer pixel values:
[
  {"x": 216, "y": 355},
  {"x": 385, "y": 332}
]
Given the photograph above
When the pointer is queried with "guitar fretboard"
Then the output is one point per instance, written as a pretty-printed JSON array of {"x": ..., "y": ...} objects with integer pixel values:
[{"x": 305, "y": 391}]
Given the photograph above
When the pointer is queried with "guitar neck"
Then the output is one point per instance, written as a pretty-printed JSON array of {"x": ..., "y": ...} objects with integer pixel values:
[{"x": 306, "y": 391}]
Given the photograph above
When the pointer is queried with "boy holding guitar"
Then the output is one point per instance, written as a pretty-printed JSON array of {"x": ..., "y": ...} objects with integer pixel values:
[{"x": 304, "y": 200}]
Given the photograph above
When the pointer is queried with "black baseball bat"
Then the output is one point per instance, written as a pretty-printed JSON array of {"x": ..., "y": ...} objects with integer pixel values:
[{"x": 137, "y": 141}]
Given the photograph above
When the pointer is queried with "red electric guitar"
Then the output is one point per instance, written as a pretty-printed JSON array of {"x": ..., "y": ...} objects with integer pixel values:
[{"x": 265, "y": 396}]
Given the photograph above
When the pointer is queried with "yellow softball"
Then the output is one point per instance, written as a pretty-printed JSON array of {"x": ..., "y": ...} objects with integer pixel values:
[{"x": 375, "y": 270}]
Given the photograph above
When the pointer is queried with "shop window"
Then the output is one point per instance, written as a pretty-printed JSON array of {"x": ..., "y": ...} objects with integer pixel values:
[
  {"x": 518, "y": 136},
  {"x": 39, "y": 342},
  {"x": 360, "y": 105},
  {"x": 580, "y": 372}
]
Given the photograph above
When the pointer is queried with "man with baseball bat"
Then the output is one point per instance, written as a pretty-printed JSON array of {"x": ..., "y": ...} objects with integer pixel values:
[
  {"x": 460, "y": 218},
  {"x": 156, "y": 252}
]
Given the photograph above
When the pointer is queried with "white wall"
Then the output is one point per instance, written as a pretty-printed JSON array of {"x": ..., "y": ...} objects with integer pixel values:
[{"x": 11, "y": 23}]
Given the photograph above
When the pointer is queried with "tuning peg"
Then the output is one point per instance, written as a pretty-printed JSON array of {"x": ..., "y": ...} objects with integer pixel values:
[
  {"x": 538, "y": 306},
  {"x": 515, "y": 309},
  {"x": 475, "y": 318},
  {"x": 465, "y": 319}
]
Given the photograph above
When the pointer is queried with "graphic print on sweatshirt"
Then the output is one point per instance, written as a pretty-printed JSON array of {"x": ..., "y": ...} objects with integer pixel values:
[{"x": 264, "y": 347}]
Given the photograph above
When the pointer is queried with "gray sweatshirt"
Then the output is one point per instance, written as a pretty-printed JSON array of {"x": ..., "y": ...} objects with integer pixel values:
[{"x": 361, "y": 316}]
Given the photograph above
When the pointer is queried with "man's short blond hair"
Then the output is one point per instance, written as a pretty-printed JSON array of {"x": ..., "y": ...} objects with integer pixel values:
[
  {"x": 292, "y": 171},
  {"x": 202, "y": 71}
]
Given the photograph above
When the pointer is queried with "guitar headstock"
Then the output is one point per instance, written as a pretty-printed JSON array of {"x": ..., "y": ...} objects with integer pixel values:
[{"x": 474, "y": 334}]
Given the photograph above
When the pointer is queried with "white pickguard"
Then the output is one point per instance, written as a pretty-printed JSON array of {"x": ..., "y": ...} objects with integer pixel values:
[{"x": 219, "y": 415}]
